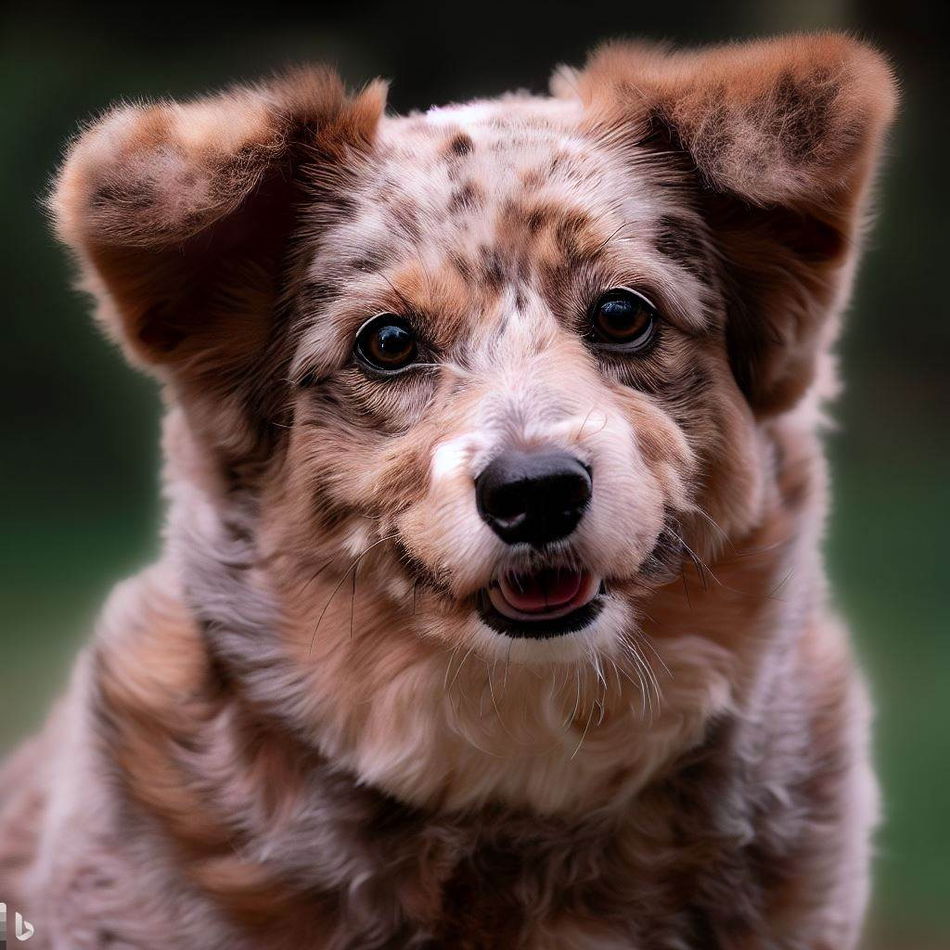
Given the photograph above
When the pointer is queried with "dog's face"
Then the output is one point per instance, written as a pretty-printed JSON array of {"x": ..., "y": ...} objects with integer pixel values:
[
  {"x": 510, "y": 362},
  {"x": 481, "y": 381}
]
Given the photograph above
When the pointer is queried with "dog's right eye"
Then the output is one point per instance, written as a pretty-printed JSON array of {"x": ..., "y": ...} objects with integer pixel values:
[
  {"x": 623, "y": 320},
  {"x": 386, "y": 343}
]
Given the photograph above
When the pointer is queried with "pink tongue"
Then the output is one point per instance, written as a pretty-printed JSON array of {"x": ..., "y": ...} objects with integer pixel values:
[{"x": 545, "y": 590}]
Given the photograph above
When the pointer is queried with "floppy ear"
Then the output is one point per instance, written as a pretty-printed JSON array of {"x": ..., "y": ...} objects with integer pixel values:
[
  {"x": 781, "y": 137},
  {"x": 180, "y": 216}
]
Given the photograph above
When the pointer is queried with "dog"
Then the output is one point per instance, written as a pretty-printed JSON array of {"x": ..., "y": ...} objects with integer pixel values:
[{"x": 491, "y": 611}]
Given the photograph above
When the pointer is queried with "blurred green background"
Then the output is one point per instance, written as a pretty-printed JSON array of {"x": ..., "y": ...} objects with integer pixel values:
[{"x": 79, "y": 478}]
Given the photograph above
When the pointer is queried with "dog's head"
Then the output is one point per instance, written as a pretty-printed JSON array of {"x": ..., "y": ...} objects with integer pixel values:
[{"x": 508, "y": 363}]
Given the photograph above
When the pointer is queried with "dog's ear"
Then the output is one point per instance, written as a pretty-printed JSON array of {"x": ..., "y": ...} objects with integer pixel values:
[
  {"x": 180, "y": 213},
  {"x": 781, "y": 137}
]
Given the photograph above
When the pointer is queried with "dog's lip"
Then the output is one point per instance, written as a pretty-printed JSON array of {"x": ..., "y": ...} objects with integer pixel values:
[{"x": 546, "y": 594}]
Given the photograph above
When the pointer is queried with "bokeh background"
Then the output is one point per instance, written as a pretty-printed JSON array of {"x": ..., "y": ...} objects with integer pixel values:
[{"x": 78, "y": 483}]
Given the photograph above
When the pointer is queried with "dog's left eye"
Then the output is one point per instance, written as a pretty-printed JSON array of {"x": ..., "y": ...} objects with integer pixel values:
[
  {"x": 623, "y": 319},
  {"x": 386, "y": 343}
]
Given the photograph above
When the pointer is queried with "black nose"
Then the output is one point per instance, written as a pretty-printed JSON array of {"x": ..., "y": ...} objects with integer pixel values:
[{"x": 533, "y": 497}]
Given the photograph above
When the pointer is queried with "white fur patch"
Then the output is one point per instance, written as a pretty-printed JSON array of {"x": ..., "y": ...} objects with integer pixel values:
[
  {"x": 451, "y": 459},
  {"x": 466, "y": 116}
]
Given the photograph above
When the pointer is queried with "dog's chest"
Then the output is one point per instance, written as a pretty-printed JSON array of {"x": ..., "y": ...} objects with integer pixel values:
[{"x": 645, "y": 879}]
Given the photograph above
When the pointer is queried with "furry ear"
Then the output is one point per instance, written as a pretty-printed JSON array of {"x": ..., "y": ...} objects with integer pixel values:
[
  {"x": 781, "y": 137},
  {"x": 180, "y": 215}
]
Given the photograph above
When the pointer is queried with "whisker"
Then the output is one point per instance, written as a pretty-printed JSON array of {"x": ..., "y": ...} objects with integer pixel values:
[
  {"x": 356, "y": 570},
  {"x": 318, "y": 573},
  {"x": 702, "y": 568},
  {"x": 590, "y": 412},
  {"x": 459, "y": 670},
  {"x": 590, "y": 719},
  {"x": 653, "y": 681},
  {"x": 342, "y": 581},
  {"x": 772, "y": 594},
  {"x": 494, "y": 702},
  {"x": 603, "y": 705},
  {"x": 613, "y": 663},
  {"x": 598, "y": 670},
  {"x": 724, "y": 536},
  {"x": 409, "y": 307},
  {"x": 689, "y": 602},
  {"x": 577, "y": 697},
  {"x": 448, "y": 667},
  {"x": 646, "y": 677},
  {"x": 647, "y": 641}
]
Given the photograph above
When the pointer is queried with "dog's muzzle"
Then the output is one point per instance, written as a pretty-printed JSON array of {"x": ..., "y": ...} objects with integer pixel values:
[{"x": 536, "y": 498}]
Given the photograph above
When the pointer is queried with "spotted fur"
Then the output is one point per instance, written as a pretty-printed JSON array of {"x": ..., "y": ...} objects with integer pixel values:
[{"x": 294, "y": 731}]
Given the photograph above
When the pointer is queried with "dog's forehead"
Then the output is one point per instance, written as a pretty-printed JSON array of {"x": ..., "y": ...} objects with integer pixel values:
[
  {"x": 474, "y": 160},
  {"x": 504, "y": 136},
  {"x": 461, "y": 207},
  {"x": 456, "y": 176}
]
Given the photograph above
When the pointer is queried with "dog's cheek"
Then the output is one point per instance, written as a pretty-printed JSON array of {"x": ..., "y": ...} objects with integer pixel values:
[
  {"x": 401, "y": 469},
  {"x": 648, "y": 469},
  {"x": 313, "y": 502},
  {"x": 705, "y": 450},
  {"x": 726, "y": 480},
  {"x": 618, "y": 528},
  {"x": 423, "y": 493},
  {"x": 732, "y": 484}
]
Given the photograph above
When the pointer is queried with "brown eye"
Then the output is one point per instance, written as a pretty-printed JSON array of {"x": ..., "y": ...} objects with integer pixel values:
[
  {"x": 386, "y": 343},
  {"x": 623, "y": 320}
]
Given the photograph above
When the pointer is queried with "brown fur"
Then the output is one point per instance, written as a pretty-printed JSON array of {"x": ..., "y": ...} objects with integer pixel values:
[{"x": 294, "y": 731}]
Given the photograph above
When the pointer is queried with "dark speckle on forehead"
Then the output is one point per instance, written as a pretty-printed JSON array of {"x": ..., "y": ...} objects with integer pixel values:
[
  {"x": 467, "y": 197},
  {"x": 371, "y": 258},
  {"x": 460, "y": 144},
  {"x": 537, "y": 218},
  {"x": 570, "y": 229},
  {"x": 492, "y": 266}
]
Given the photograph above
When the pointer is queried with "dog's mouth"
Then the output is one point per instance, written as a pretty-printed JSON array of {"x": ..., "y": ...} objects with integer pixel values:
[{"x": 549, "y": 602}]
